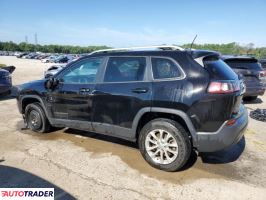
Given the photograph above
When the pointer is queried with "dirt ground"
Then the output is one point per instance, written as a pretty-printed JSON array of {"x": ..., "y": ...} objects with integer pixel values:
[{"x": 87, "y": 165}]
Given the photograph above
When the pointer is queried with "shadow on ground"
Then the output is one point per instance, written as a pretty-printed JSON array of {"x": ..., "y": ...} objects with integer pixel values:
[
  {"x": 221, "y": 157},
  {"x": 205, "y": 165},
  {"x": 256, "y": 101},
  {"x": 11, "y": 177}
]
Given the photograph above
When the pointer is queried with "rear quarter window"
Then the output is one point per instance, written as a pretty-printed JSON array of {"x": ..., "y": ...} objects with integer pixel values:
[
  {"x": 219, "y": 70},
  {"x": 165, "y": 68}
]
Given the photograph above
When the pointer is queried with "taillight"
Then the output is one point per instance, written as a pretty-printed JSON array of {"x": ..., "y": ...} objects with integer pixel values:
[{"x": 216, "y": 87}]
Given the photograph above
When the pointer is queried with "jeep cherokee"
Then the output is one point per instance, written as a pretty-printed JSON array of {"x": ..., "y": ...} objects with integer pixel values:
[{"x": 169, "y": 100}]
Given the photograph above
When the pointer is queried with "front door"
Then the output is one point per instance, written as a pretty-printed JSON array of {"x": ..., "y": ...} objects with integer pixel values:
[{"x": 71, "y": 101}]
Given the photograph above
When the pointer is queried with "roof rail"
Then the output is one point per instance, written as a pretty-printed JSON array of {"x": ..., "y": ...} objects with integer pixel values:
[{"x": 161, "y": 47}]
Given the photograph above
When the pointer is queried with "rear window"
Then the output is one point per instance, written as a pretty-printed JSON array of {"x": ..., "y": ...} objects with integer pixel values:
[
  {"x": 219, "y": 70},
  {"x": 244, "y": 64}
]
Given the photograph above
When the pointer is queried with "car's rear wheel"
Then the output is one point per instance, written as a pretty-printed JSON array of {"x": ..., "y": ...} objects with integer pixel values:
[
  {"x": 36, "y": 119},
  {"x": 165, "y": 144}
]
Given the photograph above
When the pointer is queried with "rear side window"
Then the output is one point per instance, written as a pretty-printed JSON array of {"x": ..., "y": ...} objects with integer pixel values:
[
  {"x": 164, "y": 68},
  {"x": 219, "y": 70},
  {"x": 124, "y": 69},
  {"x": 244, "y": 64}
]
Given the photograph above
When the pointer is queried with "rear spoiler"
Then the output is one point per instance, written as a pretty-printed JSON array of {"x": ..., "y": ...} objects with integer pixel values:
[
  {"x": 10, "y": 69},
  {"x": 199, "y": 55}
]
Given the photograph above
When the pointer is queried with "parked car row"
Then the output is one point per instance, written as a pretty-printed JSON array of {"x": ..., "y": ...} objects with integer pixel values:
[
  {"x": 48, "y": 58},
  {"x": 9, "y": 53}
]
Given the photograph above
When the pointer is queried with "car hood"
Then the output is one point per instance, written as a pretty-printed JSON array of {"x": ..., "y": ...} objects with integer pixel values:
[{"x": 34, "y": 87}]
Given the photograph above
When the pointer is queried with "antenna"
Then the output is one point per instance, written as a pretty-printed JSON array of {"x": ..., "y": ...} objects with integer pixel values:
[{"x": 193, "y": 41}]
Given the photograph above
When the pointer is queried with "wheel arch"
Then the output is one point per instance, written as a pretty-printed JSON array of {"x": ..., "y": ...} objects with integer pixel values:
[
  {"x": 147, "y": 114},
  {"x": 27, "y": 99}
]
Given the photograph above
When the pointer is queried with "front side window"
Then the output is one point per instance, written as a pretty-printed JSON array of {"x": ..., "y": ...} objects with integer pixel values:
[
  {"x": 82, "y": 72},
  {"x": 164, "y": 68},
  {"x": 124, "y": 69}
]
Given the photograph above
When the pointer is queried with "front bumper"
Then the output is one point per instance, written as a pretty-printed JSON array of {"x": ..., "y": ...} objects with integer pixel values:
[{"x": 226, "y": 136}]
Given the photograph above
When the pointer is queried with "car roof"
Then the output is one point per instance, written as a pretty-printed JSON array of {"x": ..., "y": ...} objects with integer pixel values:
[
  {"x": 193, "y": 53},
  {"x": 238, "y": 58}
]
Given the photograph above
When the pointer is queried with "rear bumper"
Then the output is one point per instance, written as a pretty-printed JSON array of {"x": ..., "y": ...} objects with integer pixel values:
[
  {"x": 225, "y": 136},
  {"x": 255, "y": 91},
  {"x": 5, "y": 88}
]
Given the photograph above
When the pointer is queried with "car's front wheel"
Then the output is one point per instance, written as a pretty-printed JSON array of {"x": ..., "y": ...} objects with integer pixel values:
[
  {"x": 165, "y": 144},
  {"x": 36, "y": 119}
]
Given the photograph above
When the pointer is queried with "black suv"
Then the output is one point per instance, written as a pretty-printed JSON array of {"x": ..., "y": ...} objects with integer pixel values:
[
  {"x": 171, "y": 101},
  {"x": 251, "y": 71}
]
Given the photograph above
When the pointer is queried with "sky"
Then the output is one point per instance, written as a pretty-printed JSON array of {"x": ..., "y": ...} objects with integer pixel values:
[{"x": 124, "y": 23}]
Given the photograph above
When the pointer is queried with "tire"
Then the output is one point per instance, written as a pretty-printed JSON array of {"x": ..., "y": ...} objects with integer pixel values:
[
  {"x": 178, "y": 137},
  {"x": 250, "y": 98},
  {"x": 36, "y": 119}
]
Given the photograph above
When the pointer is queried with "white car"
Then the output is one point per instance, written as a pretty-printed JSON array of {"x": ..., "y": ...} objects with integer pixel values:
[
  {"x": 48, "y": 59},
  {"x": 53, "y": 70}
]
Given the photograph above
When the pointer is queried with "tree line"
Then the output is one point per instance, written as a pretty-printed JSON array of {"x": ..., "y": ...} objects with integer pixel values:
[
  {"x": 232, "y": 48},
  {"x": 229, "y": 48},
  {"x": 27, "y": 47}
]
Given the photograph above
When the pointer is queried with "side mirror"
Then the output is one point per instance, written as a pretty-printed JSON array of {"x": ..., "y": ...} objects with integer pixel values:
[{"x": 51, "y": 83}]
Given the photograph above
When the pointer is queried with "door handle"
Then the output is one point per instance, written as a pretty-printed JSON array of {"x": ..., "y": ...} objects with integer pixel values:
[{"x": 140, "y": 90}]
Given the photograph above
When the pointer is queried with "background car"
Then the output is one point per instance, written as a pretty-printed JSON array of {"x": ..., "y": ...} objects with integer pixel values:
[
  {"x": 61, "y": 59},
  {"x": 6, "y": 80},
  {"x": 263, "y": 63},
  {"x": 53, "y": 70},
  {"x": 49, "y": 59},
  {"x": 22, "y": 54},
  {"x": 252, "y": 73}
]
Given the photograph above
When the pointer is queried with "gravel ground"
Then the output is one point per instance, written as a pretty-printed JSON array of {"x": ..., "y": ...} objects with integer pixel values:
[{"x": 83, "y": 165}]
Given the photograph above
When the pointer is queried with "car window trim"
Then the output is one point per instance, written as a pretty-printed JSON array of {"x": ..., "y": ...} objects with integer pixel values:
[
  {"x": 181, "y": 77},
  {"x": 145, "y": 79}
]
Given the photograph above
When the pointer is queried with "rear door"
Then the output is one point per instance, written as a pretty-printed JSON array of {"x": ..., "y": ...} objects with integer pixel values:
[{"x": 123, "y": 92}]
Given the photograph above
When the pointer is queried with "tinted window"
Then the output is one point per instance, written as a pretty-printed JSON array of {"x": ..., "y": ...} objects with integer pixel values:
[
  {"x": 164, "y": 68},
  {"x": 82, "y": 72},
  {"x": 218, "y": 69},
  {"x": 244, "y": 64},
  {"x": 123, "y": 69}
]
